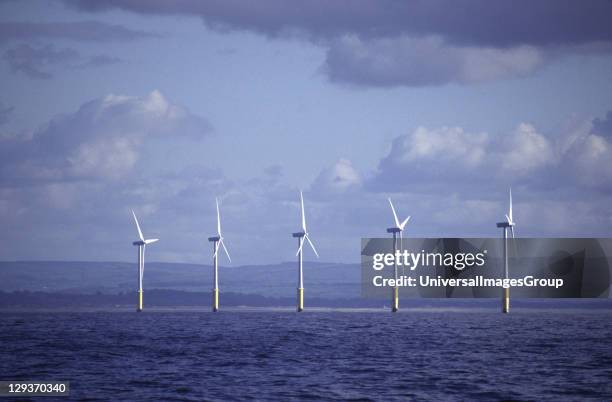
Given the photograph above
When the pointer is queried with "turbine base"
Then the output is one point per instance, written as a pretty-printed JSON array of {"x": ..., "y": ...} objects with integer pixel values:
[
  {"x": 395, "y": 300},
  {"x": 506, "y": 301},
  {"x": 139, "y": 307},
  {"x": 215, "y": 300},
  {"x": 300, "y": 300}
]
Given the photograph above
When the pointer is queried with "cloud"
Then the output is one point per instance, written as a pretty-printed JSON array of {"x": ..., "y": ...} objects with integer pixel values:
[
  {"x": 5, "y": 112},
  {"x": 89, "y": 31},
  {"x": 435, "y": 159},
  {"x": 476, "y": 22},
  {"x": 339, "y": 178},
  {"x": 100, "y": 60},
  {"x": 410, "y": 43},
  {"x": 431, "y": 158},
  {"x": 424, "y": 61},
  {"x": 603, "y": 126},
  {"x": 78, "y": 176},
  {"x": 450, "y": 144},
  {"x": 38, "y": 62},
  {"x": 589, "y": 162},
  {"x": 35, "y": 61},
  {"x": 525, "y": 150},
  {"x": 101, "y": 140}
]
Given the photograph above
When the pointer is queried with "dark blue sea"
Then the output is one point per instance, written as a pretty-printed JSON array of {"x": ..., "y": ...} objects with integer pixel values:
[{"x": 324, "y": 355}]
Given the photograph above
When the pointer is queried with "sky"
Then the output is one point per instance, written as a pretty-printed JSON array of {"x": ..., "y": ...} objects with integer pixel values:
[{"x": 160, "y": 107}]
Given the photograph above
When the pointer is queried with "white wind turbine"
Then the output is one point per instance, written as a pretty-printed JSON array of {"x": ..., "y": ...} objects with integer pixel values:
[
  {"x": 398, "y": 228},
  {"x": 218, "y": 241},
  {"x": 301, "y": 236},
  {"x": 142, "y": 244},
  {"x": 508, "y": 223}
]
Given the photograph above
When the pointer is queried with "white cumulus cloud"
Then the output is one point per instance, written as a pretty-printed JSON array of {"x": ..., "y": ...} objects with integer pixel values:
[
  {"x": 340, "y": 177},
  {"x": 525, "y": 150},
  {"x": 102, "y": 139}
]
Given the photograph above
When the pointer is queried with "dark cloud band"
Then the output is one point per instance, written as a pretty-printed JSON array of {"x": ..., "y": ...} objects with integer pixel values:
[{"x": 468, "y": 22}]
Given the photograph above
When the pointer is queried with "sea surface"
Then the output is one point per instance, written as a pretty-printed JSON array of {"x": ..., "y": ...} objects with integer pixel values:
[{"x": 316, "y": 355}]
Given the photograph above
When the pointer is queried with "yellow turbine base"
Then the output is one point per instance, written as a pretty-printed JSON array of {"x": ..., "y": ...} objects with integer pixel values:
[
  {"x": 139, "y": 301},
  {"x": 395, "y": 300},
  {"x": 506, "y": 301},
  {"x": 300, "y": 299},
  {"x": 215, "y": 300}
]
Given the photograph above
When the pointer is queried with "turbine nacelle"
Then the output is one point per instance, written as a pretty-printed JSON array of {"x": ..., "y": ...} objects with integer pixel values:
[{"x": 505, "y": 224}]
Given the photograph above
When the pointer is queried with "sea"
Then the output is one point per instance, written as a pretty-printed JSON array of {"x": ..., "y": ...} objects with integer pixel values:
[{"x": 321, "y": 354}]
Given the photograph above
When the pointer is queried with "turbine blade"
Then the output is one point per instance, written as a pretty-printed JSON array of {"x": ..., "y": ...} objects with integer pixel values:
[
  {"x": 216, "y": 249},
  {"x": 312, "y": 246},
  {"x": 218, "y": 218},
  {"x": 512, "y": 231},
  {"x": 138, "y": 226},
  {"x": 397, "y": 222},
  {"x": 301, "y": 245},
  {"x": 225, "y": 249},
  {"x": 149, "y": 241},
  {"x": 303, "y": 214},
  {"x": 508, "y": 220},
  {"x": 510, "y": 210},
  {"x": 404, "y": 223}
]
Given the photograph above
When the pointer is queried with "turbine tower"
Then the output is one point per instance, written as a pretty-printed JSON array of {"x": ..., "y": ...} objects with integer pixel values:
[
  {"x": 142, "y": 245},
  {"x": 398, "y": 228},
  {"x": 217, "y": 241},
  {"x": 508, "y": 223},
  {"x": 303, "y": 235}
]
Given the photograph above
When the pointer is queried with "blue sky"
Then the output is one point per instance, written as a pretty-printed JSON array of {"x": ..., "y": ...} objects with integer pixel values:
[{"x": 160, "y": 107}]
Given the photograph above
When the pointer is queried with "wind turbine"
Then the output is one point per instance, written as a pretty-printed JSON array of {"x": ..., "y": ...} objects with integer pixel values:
[
  {"x": 217, "y": 241},
  {"x": 398, "y": 228},
  {"x": 303, "y": 235},
  {"x": 508, "y": 223},
  {"x": 142, "y": 244}
]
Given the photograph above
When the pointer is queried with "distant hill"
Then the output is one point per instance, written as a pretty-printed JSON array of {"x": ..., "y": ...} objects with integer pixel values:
[
  {"x": 52, "y": 284},
  {"x": 324, "y": 280}
]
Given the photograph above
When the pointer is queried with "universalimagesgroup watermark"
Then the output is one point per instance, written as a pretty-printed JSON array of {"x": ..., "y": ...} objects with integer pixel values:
[
  {"x": 457, "y": 261},
  {"x": 479, "y": 267}
]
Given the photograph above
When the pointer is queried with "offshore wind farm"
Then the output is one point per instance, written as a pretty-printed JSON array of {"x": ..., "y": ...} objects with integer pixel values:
[{"x": 398, "y": 251}]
